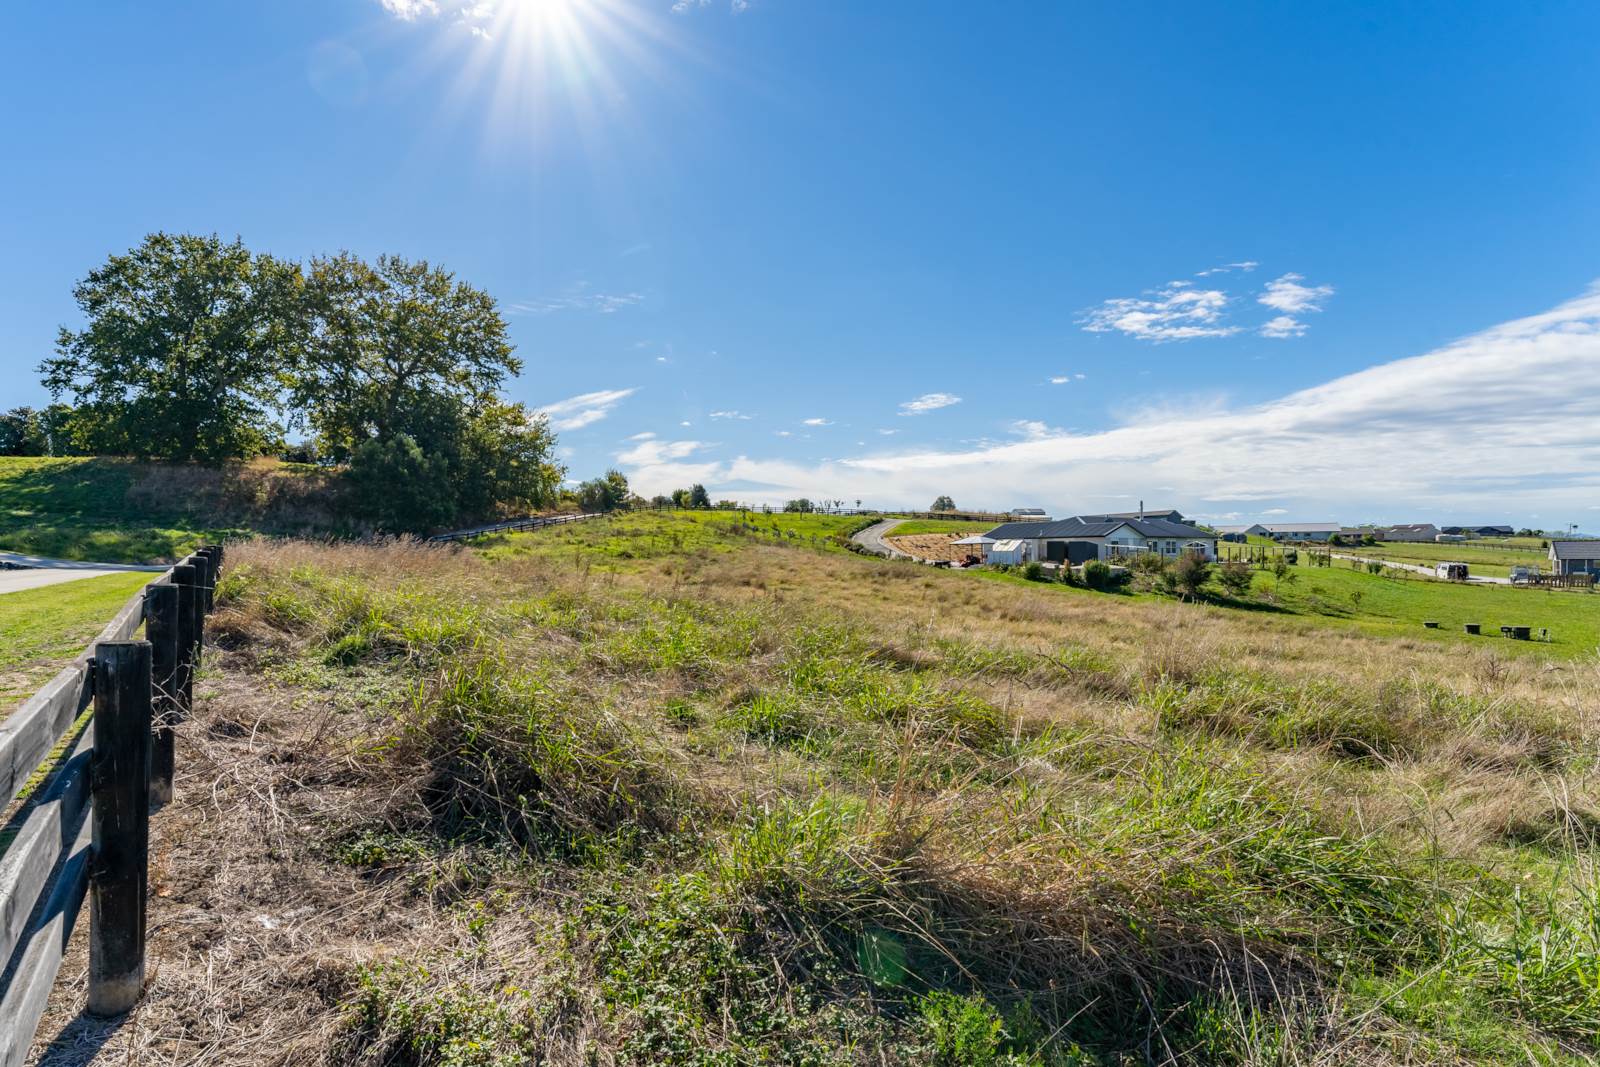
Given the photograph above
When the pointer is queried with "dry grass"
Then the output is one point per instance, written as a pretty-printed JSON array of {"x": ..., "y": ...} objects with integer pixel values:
[{"x": 531, "y": 801}]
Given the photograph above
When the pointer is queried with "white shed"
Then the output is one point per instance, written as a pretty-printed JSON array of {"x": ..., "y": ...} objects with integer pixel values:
[{"x": 1012, "y": 551}]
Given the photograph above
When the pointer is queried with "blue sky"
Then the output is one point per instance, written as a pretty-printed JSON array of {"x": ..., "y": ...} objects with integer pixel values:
[{"x": 1248, "y": 260}]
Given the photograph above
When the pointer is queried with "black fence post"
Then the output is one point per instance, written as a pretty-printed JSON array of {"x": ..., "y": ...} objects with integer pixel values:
[
  {"x": 119, "y": 778},
  {"x": 183, "y": 577},
  {"x": 162, "y": 630}
]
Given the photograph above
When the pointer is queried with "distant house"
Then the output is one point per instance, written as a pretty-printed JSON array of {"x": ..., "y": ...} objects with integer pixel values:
[
  {"x": 1358, "y": 533},
  {"x": 1029, "y": 514},
  {"x": 1575, "y": 557},
  {"x": 1301, "y": 531},
  {"x": 1085, "y": 537},
  {"x": 1169, "y": 515},
  {"x": 1494, "y": 531},
  {"x": 1239, "y": 533},
  {"x": 1410, "y": 531}
]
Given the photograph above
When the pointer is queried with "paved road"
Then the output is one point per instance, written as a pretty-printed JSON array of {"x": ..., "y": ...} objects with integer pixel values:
[
  {"x": 872, "y": 540},
  {"x": 41, "y": 570},
  {"x": 1478, "y": 578}
]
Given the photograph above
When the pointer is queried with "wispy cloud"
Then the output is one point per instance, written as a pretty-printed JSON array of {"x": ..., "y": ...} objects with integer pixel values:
[
  {"x": 1176, "y": 312},
  {"x": 652, "y": 452},
  {"x": 1282, "y": 326},
  {"x": 1246, "y": 266},
  {"x": 1511, "y": 409},
  {"x": 585, "y": 409},
  {"x": 411, "y": 9},
  {"x": 1181, "y": 311},
  {"x": 577, "y": 298},
  {"x": 1063, "y": 379},
  {"x": 732, "y": 415},
  {"x": 1286, "y": 294},
  {"x": 815, "y": 422},
  {"x": 928, "y": 402}
]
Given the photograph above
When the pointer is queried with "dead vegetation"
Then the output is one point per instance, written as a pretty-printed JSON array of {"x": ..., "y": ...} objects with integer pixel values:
[{"x": 785, "y": 806}]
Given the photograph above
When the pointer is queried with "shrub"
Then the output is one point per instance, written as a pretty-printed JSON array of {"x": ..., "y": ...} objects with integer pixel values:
[
  {"x": 1097, "y": 574},
  {"x": 1190, "y": 573},
  {"x": 1033, "y": 571},
  {"x": 1374, "y": 567},
  {"x": 1235, "y": 577}
]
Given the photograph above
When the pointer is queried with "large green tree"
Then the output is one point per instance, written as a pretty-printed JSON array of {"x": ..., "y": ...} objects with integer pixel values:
[
  {"x": 383, "y": 343},
  {"x": 184, "y": 351}
]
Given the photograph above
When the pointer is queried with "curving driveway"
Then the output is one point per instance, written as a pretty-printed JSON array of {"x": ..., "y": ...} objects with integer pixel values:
[
  {"x": 1480, "y": 579},
  {"x": 872, "y": 540}
]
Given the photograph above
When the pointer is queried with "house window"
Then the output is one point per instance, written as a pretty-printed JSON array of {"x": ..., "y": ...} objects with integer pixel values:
[{"x": 1172, "y": 548}]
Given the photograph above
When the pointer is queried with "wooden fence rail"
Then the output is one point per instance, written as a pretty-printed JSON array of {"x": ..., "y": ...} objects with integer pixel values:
[{"x": 85, "y": 830}]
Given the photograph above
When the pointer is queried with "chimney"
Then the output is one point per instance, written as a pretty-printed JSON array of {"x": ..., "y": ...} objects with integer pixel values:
[{"x": 1141, "y": 509}]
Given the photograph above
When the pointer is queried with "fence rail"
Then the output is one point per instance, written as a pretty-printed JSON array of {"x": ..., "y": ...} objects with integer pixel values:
[{"x": 85, "y": 832}]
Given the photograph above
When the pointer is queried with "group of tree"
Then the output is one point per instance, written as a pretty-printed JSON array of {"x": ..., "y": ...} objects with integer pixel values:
[
  {"x": 198, "y": 349},
  {"x": 944, "y": 503}
]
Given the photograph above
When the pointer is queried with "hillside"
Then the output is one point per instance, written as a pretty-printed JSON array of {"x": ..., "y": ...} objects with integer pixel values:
[
  {"x": 699, "y": 790},
  {"x": 121, "y": 511}
]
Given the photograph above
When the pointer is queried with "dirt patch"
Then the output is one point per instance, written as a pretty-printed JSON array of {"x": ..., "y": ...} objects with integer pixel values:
[{"x": 932, "y": 546}]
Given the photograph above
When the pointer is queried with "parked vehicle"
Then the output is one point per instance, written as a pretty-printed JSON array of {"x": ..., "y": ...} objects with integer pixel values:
[
  {"x": 1454, "y": 572},
  {"x": 1524, "y": 575}
]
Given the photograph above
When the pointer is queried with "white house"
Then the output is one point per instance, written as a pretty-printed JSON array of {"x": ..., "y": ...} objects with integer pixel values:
[
  {"x": 1255, "y": 529},
  {"x": 1087, "y": 537},
  {"x": 1301, "y": 531},
  {"x": 1410, "y": 531}
]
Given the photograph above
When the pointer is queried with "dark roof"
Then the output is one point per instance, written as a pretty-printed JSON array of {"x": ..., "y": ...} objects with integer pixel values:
[
  {"x": 1097, "y": 526},
  {"x": 1576, "y": 549},
  {"x": 1169, "y": 514}
]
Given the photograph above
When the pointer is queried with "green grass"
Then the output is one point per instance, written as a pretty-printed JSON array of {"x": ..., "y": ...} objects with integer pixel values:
[
  {"x": 614, "y": 541},
  {"x": 933, "y": 526},
  {"x": 770, "y": 831},
  {"x": 1480, "y": 556},
  {"x": 40, "y": 629},
  {"x": 1392, "y": 605}
]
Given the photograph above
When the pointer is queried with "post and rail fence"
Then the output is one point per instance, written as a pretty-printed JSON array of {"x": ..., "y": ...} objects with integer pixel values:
[{"x": 85, "y": 829}]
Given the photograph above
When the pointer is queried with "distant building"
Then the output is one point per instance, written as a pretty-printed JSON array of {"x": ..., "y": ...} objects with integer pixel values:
[
  {"x": 1085, "y": 537},
  {"x": 1169, "y": 515},
  {"x": 1029, "y": 514},
  {"x": 1301, "y": 531},
  {"x": 1410, "y": 531},
  {"x": 1575, "y": 557},
  {"x": 1479, "y": 531},
  {"x": 1255, "y": 529}
]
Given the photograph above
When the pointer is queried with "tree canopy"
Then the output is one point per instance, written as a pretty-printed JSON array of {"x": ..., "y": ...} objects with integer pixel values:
[
  {"x": 198, "y": 349},
  {"x": 184, "y": 353}
]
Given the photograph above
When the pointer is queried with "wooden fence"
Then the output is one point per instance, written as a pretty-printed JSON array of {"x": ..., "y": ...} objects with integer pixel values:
[{"x": 84, "y": 830}]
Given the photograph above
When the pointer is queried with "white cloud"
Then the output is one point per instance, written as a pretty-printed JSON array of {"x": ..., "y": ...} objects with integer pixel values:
[
  {"x": 653, "y": 453},
  {"x": 1282, "y": 326},
  {"x": 1061, "y": 379},
  {"x": 1286, "y": 294},
  {"x": 1176, "y": 312},
  {"x": 577, "y": 298},
  {"x": 585, "y": 409},
  {"x": 731, "y": 415},
  {"x": 1033, "y": 430},
  {"x": 410, "y": 9},
  {"x": 1246, "y": 266},
  {"x": 815, "y": 422},
  {"x": 888, "y": 433},
  {"x": 642, "y": 436},
  {"x": 1501, "y": 421},
  {"x": 928, "y": 402},
  {"x": 782, "y": 433},
  {"x": 1276, "y": 511}
]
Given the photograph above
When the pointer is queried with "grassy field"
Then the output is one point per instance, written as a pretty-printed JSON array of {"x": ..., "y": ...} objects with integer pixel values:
[
  {"x": 1482, "y": 557},
  {"x": 955, "y": 527},
  {"x": 668, "y": 790},
  {"x": 40, "y": 629},
  {"x": 119, "y": 511}
]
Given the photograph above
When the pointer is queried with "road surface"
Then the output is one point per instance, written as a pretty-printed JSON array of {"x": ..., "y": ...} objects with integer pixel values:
[
  {"x": 1478, "y": 578},
  {"x": 36, "y": 571},
  {"x": 872, "y": 540}
]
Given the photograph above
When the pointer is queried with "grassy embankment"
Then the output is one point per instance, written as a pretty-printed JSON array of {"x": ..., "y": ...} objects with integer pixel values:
[
  {"x": 120, "y": 511},
  {"x": 672, "y": 790}
]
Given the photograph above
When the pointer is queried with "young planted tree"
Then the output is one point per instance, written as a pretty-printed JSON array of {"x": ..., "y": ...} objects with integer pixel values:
[{"x": 183, "y": 353}]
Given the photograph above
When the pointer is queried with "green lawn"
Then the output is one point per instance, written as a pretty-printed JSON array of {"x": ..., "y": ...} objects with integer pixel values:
[
  {"x": 40, "y": 629},
  {"x": 933, "y": 526},
  {"x": 1483, "y": 557},
  {"x": 653, "y": 534},
  {"x": 1340, "y": 594}
]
